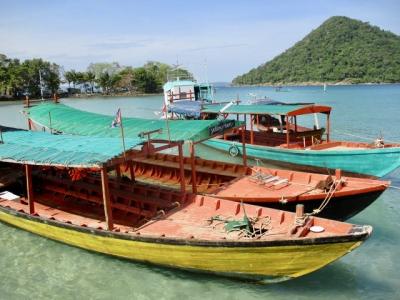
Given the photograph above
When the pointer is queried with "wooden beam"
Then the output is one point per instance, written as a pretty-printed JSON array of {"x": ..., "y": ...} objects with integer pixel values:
[
  {"x": 244, "y": 156},
  {"x": 193, "y": 166},
  {"x": 251, "y": 130},
  {"x": 29, "y": 190},
  {"x": 287, "y": 131},
  {"x": 182, "y": 171},
  {"x": 106, "y": 199},
  {"x": 131, "y": 171},
  {"x": 328, "y": 127},
  {"x": 118, "y": 171}
]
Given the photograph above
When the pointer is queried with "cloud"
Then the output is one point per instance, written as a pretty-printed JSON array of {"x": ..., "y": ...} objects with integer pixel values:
[
  {"x": 121, "y": 44},
  {"x": 217, "y": 47}
]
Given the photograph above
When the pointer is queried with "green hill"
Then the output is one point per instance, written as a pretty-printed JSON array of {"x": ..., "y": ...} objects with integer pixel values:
[{"x": 340, "y": 50}]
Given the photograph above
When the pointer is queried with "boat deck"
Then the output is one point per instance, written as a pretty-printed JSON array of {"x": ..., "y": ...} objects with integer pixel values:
[
  {"x": 257, "y": 184},
  {"x": 192, "y": 221},
  {"x": 269, "y": 185}
]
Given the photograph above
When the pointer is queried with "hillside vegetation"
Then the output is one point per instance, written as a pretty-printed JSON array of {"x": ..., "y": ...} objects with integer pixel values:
[{"x": 340, "y": 50}]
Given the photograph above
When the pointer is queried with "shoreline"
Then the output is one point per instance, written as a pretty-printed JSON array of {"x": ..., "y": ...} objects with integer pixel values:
[
  {"x": 84, "y": 96},
  {"x": 313, "y": 83}
]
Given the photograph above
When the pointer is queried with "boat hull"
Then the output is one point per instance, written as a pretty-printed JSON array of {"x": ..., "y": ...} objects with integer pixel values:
[
  {"x": 370, "y": 162},
  {"x": 279, "y": 260},
  {"x": 341, "y": 209}
]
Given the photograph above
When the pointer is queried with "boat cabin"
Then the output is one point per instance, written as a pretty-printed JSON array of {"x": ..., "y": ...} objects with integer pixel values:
[
  {"x": 276, "y": 124},
  {"x": 179, "y": 89}
]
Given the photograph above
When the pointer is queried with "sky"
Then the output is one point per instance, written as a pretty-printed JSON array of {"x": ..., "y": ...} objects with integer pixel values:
[{"x": 215, "y": 40}]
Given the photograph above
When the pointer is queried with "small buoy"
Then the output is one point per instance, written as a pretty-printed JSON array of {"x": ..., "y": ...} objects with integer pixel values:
[{"x": 317, "y": 229}]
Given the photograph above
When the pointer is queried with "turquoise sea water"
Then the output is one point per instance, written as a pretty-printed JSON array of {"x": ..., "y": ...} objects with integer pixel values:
[{"x": 35, "y": 268}]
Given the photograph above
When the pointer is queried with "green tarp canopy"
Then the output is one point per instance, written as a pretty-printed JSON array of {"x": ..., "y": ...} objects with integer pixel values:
[
  {"x": 270, "y": 109},
  {"x": 41, "y": 148},
  {"x": 69, "y": 120}
]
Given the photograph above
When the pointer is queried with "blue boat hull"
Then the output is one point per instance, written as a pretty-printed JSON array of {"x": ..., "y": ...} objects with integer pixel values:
[{"x": 368, "y": 162}]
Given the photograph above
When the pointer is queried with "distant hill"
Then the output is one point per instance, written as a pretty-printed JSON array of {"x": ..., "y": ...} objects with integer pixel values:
[{"x": 340, "y": 50}]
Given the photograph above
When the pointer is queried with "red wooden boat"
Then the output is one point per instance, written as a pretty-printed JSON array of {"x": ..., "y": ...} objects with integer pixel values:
[{"x": 341, "y": 197}]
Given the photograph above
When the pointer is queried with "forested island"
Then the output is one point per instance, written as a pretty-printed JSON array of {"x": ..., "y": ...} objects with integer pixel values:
[
  {"x": 341, "y": 50},
  {"x": 25, "y": 78}
]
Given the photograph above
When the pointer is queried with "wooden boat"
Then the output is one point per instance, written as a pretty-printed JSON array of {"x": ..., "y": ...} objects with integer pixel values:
[
  {"x": 282, "y": 189},
  {"x": 185, "y": 90},
  {"x": 154, "y": 225},
  {"x": 299, "y": 148},
  {"x": 269, "y": 187}
]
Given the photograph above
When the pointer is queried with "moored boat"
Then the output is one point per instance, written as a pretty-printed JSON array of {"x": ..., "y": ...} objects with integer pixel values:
[
  {"x": 340, "y": 196},
  {"x": 288, "y": 145},
  {"x": 187, "y": 93},
  {"x": 152, "y": 224}
]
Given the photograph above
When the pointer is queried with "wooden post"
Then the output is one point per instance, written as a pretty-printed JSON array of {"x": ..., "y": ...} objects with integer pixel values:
[
  {"x": 295, "y": 123},
  {"x": 287, "y": 131},
  {"x": 251, "y": 130},
  {"x": 193, "y": 166},
  {"x": 182, "y": 171},
  {"x": 29, "y": 191},
  {"x": 338, "y": 175},
  {"x": 118, "y": 171},
  {"x": 106, "y": 198},
  {"x": 328, "y": 127},
  {"x": 299, "y": 210},
  {"x": 244, "y": 156},
  {"x": 131, "y": 171}
]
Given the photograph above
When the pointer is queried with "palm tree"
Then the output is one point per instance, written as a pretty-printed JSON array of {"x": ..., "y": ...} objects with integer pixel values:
[
  {"x": 70, "y": 76},
  {"x": 90, "y": 77}
]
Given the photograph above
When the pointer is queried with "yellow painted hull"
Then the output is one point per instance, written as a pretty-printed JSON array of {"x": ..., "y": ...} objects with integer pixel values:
[{"x": 274, "y": 262}]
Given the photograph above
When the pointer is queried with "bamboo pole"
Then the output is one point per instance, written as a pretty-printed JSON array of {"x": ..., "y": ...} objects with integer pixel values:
[
  {"x": 123, "y": 137},
  {"x": 193, "y": 167},
  {"x": 29, "y": 190},
  {"x": 106, "y": 199},
  {"x": 50, "y": 126}
]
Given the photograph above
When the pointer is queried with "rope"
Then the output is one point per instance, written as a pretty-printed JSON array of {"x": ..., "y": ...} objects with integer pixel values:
[
  {"x": 258, "y": 227},
  {"x": 328, "y": 197},
  {"x": 362, "y": 137},
  {"x": 300, "y": 221}
]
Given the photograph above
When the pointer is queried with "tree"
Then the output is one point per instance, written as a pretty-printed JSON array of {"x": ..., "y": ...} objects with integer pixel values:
[
  {"x": 70, "y": 76},
  {"x": 90, "y": 78},
  {"x": 98, "y": 69},
  {"x": 108, "y": 82},
  {"x": 341, "y": 49}
]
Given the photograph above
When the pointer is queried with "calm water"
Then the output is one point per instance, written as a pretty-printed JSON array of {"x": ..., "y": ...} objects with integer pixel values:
[{"x": 34, "y": 267}]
